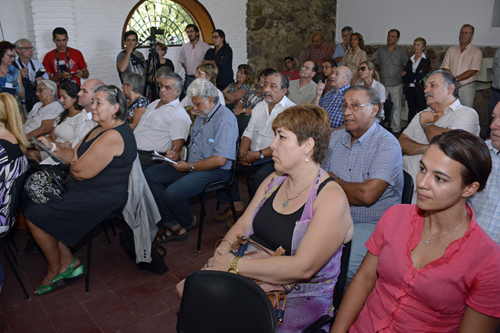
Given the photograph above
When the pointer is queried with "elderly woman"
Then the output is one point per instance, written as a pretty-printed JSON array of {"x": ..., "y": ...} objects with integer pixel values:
[
  {"x": 301, "y": 209},
  {"x": 236, "y": 90},
  {"x": 66, "y": 122},
  {"x": 12, "y": 144},
  {"x": 221, "y": 56},
  {"x": 208, "y": 72},
  {"x": 355, "y": 56},
  {"x": 97, "y": 186},
  {"x": 133, "y": 87},
  {"x": 161, "y": 50},
  {"x": 9, "y": 75},
  {"x": 40, "y": 120},
  {"x": 254, "y": 96},
  {"x": 415, "y": 70},
  {"x": 430, "y": 267}
]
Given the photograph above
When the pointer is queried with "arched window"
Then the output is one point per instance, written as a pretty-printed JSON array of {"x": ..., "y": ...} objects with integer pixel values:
[{"x": 171, "y": 17}]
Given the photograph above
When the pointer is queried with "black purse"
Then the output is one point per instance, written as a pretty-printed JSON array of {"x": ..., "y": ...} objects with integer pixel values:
[{"x": 46, "y": 184}]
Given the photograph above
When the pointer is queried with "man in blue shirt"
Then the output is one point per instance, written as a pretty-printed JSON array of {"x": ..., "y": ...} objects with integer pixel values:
[
  {"x": 486, "y": 204},
  {"x": 212, "y": 150},
  {"x": 366, "y": 161}
]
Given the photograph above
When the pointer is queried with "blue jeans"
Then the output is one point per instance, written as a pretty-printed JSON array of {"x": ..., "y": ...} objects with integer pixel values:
[
  {"x": 362, "y": 231},
  {"x": 172, "y": 190}
]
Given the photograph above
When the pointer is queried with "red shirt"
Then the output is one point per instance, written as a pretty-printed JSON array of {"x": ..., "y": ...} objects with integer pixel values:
[
  {"x": 76, "y": 62},
  {"x": 318, "y": 54},
  {"x": 292, "y": 75},
  {"x": 408, "y": 299}
]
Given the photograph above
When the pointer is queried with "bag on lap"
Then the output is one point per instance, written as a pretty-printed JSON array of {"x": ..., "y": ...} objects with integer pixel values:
[{"x": 46, "y": 184}]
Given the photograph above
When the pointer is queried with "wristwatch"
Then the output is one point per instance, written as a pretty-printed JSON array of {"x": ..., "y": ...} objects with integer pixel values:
[
  {"x": 244, "y": 112},
  {"x": 427, "y": 124},
  {"x": 234, "y": 266},
  {"x": 261, "y": 154},
  {"x": 191, "y": 168}
]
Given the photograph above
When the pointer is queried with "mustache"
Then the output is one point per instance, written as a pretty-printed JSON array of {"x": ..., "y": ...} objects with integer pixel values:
[{"x": 428, "y": 95}]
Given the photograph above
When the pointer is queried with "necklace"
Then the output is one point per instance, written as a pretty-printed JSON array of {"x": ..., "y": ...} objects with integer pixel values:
[
  {"x": 428, "y": 241},
  {"x": 295, "y": 197}
]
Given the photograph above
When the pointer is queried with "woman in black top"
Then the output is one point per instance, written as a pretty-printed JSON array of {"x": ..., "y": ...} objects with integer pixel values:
[{"x": 222, "y": 57}]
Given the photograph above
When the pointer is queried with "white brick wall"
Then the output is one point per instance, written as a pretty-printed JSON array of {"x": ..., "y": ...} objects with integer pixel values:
[{"x": 94, "y": 27}]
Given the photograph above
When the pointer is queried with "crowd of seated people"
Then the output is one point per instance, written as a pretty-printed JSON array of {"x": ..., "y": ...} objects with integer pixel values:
[{"x": 322, "y": 173}]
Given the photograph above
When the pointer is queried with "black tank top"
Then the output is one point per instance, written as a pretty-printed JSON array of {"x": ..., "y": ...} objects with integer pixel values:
[{"x": 273, "y": 229}]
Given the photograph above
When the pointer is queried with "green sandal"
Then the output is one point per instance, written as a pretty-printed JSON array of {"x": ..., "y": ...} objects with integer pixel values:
[
  {"x": 68, "y": 275},
  {"x": 42, "y": 290}
]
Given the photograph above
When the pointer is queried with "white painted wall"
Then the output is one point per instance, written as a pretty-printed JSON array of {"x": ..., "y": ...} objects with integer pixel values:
[
  {"x": 95, "y": 27},
  {"x": 438, "y": 21}
]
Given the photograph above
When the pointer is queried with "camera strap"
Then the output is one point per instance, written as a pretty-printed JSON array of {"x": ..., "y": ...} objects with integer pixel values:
[{"x": 67, "y": 59}]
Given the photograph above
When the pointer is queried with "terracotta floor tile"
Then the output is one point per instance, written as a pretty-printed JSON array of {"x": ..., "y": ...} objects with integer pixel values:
[
  {"x": 102, "y": 305},
  {"x": 115, "y": 320},
  {"x": 69, "y": 318},
  {"x": 55, "y": 302},
  {"x": 163, "y": 322},
  {"x": 87, "y": 327},
  {"x": 29, "y": 313},
  {"x": 4, "y": 327},
  {"x": 147, "y": 307},
  {"x": 132, "y": 293},
  {"x": 169, "y": 297},
  {"x": 42, "y": 325}
]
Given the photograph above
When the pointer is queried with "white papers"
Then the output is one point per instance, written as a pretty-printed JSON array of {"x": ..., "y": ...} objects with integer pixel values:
[{"x": 159, "y": 157}]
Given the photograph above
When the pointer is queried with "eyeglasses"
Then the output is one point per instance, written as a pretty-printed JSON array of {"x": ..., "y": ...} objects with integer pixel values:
[
  {"x": 40, "y": 90},
  {"x": 327, "y": 66},
  {"x": 12, "y": 56},
  {"x": 362, "y": 68},
  {"x": 354, "y": 106},
  {"x": 215, "y": 37},
  {"x": 27, "y": 48}
]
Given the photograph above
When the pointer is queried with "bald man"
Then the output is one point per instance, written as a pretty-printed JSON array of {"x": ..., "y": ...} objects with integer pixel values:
[{"x": 320, "y": 50}]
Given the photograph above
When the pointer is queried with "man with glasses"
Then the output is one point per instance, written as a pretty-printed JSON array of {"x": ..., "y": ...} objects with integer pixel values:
[
  {"x": 192, "y": 53},
  {"x": 303, "y": 90},
  {"x": 464, "y": 62},
  {"x": 31, "y": 72},
  {"x": 365, "y": 160},
  {"x": 165, "y": 124}
]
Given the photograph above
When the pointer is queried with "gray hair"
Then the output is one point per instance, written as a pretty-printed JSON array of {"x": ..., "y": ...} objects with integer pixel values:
[
  {"x": 449, "y": 79},
  {"x": 348, "y": 29},
  {"x": 348, "y": 72},
  {"x": 19, "y": 42},
  {"x": 166, "y": 73},
  {"x": 373, "y": 96},
  {"x": 115, "y": 96},
  {"x": 136, "y": 81},
  {"x": 51, "y": 85},
  {"x": 204, "y": 89}
]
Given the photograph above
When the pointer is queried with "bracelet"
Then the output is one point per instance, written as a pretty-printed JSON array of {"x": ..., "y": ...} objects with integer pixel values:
[
  {"x": 220, "y": 240},
  {"x": 427, "y": 124},
  {"x": 53, "y": 147},
  {"x": 234, "y": 266}
]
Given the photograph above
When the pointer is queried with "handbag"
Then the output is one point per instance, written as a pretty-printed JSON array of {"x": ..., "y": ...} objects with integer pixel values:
[
  {"x": 45, "y": 184},
  {"x": 275, "y": 292}
]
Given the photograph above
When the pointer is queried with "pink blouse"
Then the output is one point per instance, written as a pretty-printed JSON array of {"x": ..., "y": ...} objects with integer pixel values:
[{"x": 433, "y": 298}]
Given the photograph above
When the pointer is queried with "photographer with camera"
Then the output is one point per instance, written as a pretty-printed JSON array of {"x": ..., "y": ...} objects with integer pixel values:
[
  {"x": 130, "y": 60},
  {"x": 31, "y": 70},
  {"x": 64, "y": 63}
]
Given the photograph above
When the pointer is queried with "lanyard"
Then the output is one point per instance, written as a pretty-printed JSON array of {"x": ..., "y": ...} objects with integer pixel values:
[{"x": 67, "y": 59}]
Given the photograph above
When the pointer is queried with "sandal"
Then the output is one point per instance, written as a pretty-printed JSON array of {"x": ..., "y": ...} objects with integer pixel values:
[
  {"x": 175, "y": 235},
  {"x": 42, "y": 290},
  {"x": 68, "y": 275}
]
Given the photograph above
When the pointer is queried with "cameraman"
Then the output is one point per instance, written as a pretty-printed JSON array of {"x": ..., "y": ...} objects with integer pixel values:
[
  {"x": 130, "y": 60},
  {"x": 31, "y": 72}
]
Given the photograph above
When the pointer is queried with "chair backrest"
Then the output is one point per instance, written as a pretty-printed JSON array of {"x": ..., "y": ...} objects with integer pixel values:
[
  {"x": 338, "y": 292},
  {"x": 388, "y": 110},
  {"x": 15, "y": 198},
  {"x": 407, "y": 188},
  {"x": 234, "y": 165},
  {"x": 243, "y": 121},
  {"x": 216, "y": 301}
]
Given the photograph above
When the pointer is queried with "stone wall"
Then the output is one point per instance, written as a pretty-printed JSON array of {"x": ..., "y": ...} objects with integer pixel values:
[{"x": 277, "y": 29}]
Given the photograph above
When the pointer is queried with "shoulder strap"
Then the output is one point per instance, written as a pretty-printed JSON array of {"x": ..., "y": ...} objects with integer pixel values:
[
  {"x": 16, "y": 65},
  {"x": 330, "y": 179}
]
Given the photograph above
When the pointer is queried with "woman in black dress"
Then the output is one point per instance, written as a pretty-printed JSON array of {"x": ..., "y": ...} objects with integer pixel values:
[
  {"x": 221, "y": 56},
  {"x": 96, "y": 187}
]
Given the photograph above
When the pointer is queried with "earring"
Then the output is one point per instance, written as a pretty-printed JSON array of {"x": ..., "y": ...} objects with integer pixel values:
[{"x": 307, "y": 160}]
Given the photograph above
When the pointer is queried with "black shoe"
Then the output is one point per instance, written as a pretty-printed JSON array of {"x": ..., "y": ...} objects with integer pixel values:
[{"x": 31, "y": 247}]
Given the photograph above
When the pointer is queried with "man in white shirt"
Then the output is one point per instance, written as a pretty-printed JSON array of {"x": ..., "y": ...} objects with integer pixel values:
[
  {"x": 165, "y": 123},
  {"x": 444, "y": 113},
  {"x": 192, "y": 53},
  {"x": 303, "y": 90},
  {"x": 255, "y": 142}
]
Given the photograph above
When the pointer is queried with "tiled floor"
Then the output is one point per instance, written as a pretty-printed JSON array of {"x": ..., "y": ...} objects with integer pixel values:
[{"x": 121, "y": 298}]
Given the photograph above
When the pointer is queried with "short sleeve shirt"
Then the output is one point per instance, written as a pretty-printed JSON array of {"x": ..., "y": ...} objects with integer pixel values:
[
  {"x": 303, "y": 94},
  {"x": 433, "y": 298},
  {"x": 40, "y": 113},
  {"x": 391, "y": 64},
  {"x": 75, "y": 62}
]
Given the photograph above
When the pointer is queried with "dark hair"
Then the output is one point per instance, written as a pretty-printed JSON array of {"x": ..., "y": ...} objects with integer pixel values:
[
  {"x": 72, "y": 89},
  {"x": 307, "y": 121},
  {"x": 115, "y": 96},
  {"x": 396, "y": 31},
  {"x": 162, "y": 46},
  {"x": 360, "y": 40},
  {"x": 289, "y": 58},
  {"x": 222, "y": 35},
  {"x": 195, "y": 28},
  {"x": 467, "y": 25},
  {"x": 373, "y": 96},
  {"x": 129, "y": 33},
  {"x": 4, "y": 46},
  {"x": 248, "y": 72},
  {"x": 59, "y": 31},
  {"x": 266, "y": 72},
  {"x": 331, "y": 61},
  {"x": 470, "y": 151},
  {"x": 449, "y": 79}
]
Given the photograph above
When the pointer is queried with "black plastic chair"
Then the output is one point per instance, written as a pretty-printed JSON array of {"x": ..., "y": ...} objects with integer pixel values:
[
  {"x": 407, "y": 188},
  {"x": 388, "y": 111},
  {"x": 222, "y": 186},
  {"x": 216, "y": 301},
  {"x": 338, "y": 293},
  {"x": 15, "y": 198}
]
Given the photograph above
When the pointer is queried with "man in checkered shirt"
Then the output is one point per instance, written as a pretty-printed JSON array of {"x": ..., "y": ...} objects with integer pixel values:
[{"x": 332, "y": 101}]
